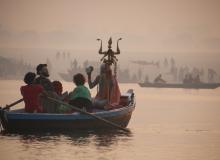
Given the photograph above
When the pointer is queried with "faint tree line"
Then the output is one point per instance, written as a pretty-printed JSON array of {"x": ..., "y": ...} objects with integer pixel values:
[{"x": 13, "y": 69}]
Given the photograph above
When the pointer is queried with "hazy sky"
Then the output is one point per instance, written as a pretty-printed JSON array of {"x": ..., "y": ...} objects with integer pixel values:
[{"x": 144, "y": 25}]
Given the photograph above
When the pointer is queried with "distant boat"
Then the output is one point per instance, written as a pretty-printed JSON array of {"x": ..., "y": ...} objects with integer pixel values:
[{"x": 183, "y": 85}]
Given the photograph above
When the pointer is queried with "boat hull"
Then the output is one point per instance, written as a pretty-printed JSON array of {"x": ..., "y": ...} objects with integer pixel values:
[
  {"x": 187, "y": 86},
  {"x": 14, "y": 121}
]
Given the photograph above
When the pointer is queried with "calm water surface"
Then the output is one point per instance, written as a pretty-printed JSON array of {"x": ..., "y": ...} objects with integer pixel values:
[{"x": 167, "y": 124}]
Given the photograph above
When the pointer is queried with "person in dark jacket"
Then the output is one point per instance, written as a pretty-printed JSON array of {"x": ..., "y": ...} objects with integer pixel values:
[{"x": 43, "y": 79}]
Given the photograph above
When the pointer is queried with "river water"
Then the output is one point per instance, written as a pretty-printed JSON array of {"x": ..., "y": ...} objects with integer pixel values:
[{"x": 167, "y": 124}]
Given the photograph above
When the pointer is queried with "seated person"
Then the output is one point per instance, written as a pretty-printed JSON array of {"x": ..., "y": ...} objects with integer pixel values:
[
  {"x": 58, "y": 88},
  {"x": 159, "y": 79},
  {"x": 43, "y": 79},
  {"x": 30, "y": 93},
  {"x": 196, "y": 79},
  {"x": 188, "y": 79},
  {"x": 80, "y": 96},
  {"x": 108, "y": 93}
]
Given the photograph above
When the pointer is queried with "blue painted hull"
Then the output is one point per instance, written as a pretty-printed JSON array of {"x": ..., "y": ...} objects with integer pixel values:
[{"x": 19, "y": 121}]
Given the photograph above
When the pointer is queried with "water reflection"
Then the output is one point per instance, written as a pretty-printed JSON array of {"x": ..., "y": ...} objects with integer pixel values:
[
  {"x": 111, "y": 138},
  {"x": 99, "y": 138},
  {"x": 63, "y": 145}
]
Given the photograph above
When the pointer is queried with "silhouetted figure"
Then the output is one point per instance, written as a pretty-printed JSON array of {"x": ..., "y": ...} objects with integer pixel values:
[
  {"x": 188, "y": 79},
  {"x": 159, "y": 79},
  {"x": 165, "y": 63},
  {"x": 211, "y": 75},
  {"x": 195, "y": 72},
  {"x": 181, "y": 74},
  {"x": 196, "y": 79},
  {"x": 74, "y": 64}
]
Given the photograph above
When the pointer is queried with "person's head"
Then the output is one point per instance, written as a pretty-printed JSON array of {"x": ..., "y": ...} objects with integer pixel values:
[
  {"x": 29, "y": 78},
  {"x": 58, "y": 88},
  {"x": 102, "y": 68},
  {"x": 79, "y": 79},
  {"x": 105, "y": 68},
  {"x": 42, "y": 70}
]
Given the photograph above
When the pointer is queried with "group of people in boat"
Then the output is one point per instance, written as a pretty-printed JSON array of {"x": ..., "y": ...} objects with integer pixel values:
[
  {"x": 39, "y": 87},
  {"x": 187, "y": 80},
  {"x": 190, "y": 79}
]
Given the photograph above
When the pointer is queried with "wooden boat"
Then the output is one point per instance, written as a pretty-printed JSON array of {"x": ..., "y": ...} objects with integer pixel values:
[
  {"x": 186, "y": 85},
  {"x": 18, "y": 120}
]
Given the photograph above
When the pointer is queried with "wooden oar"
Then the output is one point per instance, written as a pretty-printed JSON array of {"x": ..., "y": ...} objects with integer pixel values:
[
  {"x": 12, "y": 104},
  {"x": 92, "y": 115},
  {"x": 7, "y": 107}
]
